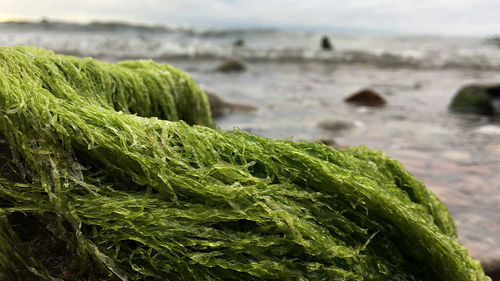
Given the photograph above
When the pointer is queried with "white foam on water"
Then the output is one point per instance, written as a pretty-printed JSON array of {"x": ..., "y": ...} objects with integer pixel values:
[{"x": 488, "y": 130}]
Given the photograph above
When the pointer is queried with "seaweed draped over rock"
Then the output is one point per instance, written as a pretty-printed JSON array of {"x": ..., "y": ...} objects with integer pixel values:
[
  {"x": 134, "y": 87},
  {"x": 89, "y": 190}
]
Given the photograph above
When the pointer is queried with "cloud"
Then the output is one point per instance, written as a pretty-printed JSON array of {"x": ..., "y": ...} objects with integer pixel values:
[{"x": 423, "y": 16}]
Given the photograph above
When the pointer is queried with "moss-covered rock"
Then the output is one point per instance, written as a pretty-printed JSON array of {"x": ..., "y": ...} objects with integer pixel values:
[
  {"x": 139, "y": 87},
  {"x": 336, "y": 126},
  {"x": 481, "y": 99},
  {"x": 231, "y": 65},
  {"x": 126, "y": 197}
]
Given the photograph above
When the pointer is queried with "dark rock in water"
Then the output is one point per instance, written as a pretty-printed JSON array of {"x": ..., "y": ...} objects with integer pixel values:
[
  {"x": 325, "y": 44},
  {"x": 366, "y": 97},
  {"x": 325, "y": 141},
  {"x": 480, "y": 99},
  {"x": 220, "y": 107},
  {"x": 231, "y": 65},
  {"x": 217, "y": 105},
  {"x": 494, "y": 40},
  {"x": 336, "y": 125},
  {"x": 492, "y": 268},
  {"x": 239, "y": 42}
]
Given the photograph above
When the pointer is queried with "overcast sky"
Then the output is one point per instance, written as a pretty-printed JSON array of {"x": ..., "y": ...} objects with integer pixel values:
[{"x": 454, "y": 17}]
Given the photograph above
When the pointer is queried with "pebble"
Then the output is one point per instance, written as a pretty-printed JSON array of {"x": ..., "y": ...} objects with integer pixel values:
[
  {"x": 231, "y": 65},
  {"x": 492, "y": 268},
  {"x": 366, "y": 97},
  {"x": 335, "y": 125},
  {"x": 325, "y": 141}
]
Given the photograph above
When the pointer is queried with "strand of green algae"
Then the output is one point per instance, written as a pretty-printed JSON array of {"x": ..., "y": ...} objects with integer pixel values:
[{"x": 165, "y": 199}]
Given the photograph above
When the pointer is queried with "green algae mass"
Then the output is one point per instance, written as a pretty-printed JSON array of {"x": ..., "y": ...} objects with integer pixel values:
[{"x": 96, "y": 184}]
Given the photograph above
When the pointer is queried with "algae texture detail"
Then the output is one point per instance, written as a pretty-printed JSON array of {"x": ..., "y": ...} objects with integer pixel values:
[{"x": 113, "y": 172}]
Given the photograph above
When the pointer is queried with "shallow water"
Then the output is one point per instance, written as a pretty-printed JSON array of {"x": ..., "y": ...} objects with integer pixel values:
[{"x": 455, "y": 155}]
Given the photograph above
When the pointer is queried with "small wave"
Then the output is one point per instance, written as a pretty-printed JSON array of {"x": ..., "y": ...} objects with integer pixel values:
[{"x": 234, "y": 33}]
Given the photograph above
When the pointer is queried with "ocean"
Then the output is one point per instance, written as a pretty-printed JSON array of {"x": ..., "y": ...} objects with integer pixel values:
[
  {"x": 295, "y": 86},
  {"x": 119, "y": 41}
]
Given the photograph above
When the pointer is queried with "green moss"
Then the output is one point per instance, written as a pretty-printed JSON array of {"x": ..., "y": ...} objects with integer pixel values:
[
  {"x": 473, "y": 99},
  {"x": 132, "y": 87},
  {"x": 136, "y": 198}
]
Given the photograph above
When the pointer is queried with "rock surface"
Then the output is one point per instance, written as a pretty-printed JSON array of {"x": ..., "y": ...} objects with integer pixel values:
[
  {"x": 492, "y": 268},
  {"x": 325, "y": 141},
  {"x": 493, "y": 40},
  {"x": 335, "y": 125},
  {"x": 239, "y": 42},
  {"x": 220, "y": 107},
  {"x": 231, "y": 65},
  {"x": 366, "y": 97},
  {"x": 480, "y": 99},
  {"x": 326, "y": 45}
]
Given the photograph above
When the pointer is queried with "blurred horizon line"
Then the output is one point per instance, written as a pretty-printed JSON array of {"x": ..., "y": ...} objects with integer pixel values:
[{"x": 165, "y": 26}]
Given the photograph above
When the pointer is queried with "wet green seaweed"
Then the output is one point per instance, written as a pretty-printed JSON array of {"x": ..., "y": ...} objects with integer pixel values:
[{"x": 143, "y": 198}]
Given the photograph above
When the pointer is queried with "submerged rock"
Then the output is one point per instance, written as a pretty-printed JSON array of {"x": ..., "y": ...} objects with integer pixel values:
[
  {"x": 480, "y": 99},
  {"x": 366, "y": 97},
  {"x": 231, "y": 65},
  {"x": 335, "y": 125},
  {"x": 239, "y": 42},
  {"x": 220, "y": 107},
  {"x": 493, "y": 40},
  {"x": 492, "y": 268},
  {"x": 325, "y": 141},
  {"x": 326, "y": 45}
]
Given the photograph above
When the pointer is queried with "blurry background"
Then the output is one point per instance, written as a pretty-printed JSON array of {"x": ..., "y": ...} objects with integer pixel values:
[{"x": 283, "y": 69}]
